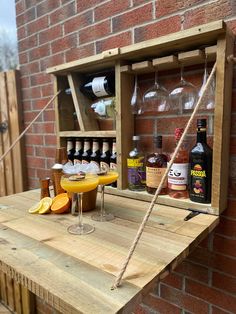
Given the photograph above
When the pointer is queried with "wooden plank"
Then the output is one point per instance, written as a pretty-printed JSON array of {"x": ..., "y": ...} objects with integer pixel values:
[
  {"x": 191, "y": 57},
  {"x": 28, "y": 300},
  {"x": 6, "y": 136},
  {"x": 15, "y": 121},
  {"x": 3, "y": 287},
  {"x": 165, "y": 63},
  {"x": 88, "y": 134},
  {"x": 211, "y": 52},
  {"x": 10, "y": 293},
  {"x": 126, "y": 68},
  {"x": 2, "y": 163},
  {"x": 4, "y": 310},
  {"x": 124, "y": 122},
  {"x": 86, "y": 121},
  {"x": 17, "y": 298},
  {"x": 142, "y": 67},
  {"x": 222, "y": 123}
]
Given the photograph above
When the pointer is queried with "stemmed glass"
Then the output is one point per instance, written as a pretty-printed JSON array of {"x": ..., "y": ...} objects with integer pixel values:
[
  {"x": 79, "y": 184},
  {"x": 156, "y": 98},
  {"x": 105, "y": 177},
  {"x": 136, "y": 99},
  {"x": 184, "y": 95},
  {"x": 209, "y": 98}
]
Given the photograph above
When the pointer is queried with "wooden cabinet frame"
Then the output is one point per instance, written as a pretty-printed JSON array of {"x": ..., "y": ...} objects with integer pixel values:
[{"x": 165, "y": 52}]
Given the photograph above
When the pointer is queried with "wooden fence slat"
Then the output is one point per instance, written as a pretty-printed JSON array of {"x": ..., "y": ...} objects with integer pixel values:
[
  {"x": 10, "y": 293},
  {"x": 17, "y": 293},
  {"x": 3, "y": 287}
]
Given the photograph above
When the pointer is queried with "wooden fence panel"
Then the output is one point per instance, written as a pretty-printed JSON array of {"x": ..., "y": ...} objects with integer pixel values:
[{"x": 12, "y": 179}]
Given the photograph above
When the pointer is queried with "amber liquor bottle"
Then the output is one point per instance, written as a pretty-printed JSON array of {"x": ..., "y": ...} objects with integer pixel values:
[
  {"x": 155, "y": 168},
  {"x": 105, "y": 157},
  {"x": 200, "y": 167},
  {"x": 87, "y": 152},
  {"x": 95, "y": 156},
  {"x": 178, "y": 174}
]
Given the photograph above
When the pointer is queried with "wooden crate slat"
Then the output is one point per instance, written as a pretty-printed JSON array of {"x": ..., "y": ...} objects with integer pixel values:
[{"x": 17, "y": 298}]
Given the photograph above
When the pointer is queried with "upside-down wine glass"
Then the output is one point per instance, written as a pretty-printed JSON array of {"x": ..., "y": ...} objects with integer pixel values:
[
  {"x": 184, "y": 95},
  {"x": 156, "y": 98},
  {"x": 105, "y": 177},
  {"x": 136, "y": 98},
  {"x": 79, "y": 184}
]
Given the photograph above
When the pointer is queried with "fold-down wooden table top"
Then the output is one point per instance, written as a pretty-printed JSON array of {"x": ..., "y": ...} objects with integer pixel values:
[{"x": 74, "y": 273}]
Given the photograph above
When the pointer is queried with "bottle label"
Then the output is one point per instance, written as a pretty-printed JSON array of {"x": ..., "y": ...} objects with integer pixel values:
[
  {"x": 178, "y": 177},
  {"x": 86, "y": 146},
  {"x": 134, "y": 163},
  {"x": 85, "y": 162},
  {"x": 95, "y": 147},
  {"x": 77, "y": 161},
  {"x": 98, "y": 86},
  {"x": 198, "y": 181},
  {"x": 78, "y": 146},
  {"x": 104, "y": 166},
  {"x": 113, "y": 166},
  {"x": 154, "y": 176},
  {"x": 136, "y": 176},
  {"x": 69, "y": 145}
]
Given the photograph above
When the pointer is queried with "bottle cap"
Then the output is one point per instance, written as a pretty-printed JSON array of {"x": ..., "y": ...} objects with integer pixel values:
[
  {"x": 158, "y": 141},
  {"x": 178, "y": 133},
  {"x": 201, "y": 123},
  {"x": 136, "y": 138}
]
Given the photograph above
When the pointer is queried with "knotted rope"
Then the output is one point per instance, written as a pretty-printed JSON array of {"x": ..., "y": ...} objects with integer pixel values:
[{"x": 148, "y": 213}]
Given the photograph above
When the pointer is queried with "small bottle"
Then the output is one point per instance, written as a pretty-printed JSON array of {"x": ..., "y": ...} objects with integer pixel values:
[
  {"x": 99, "y": 86},
  {"x": 78, "y": 151},
  {"x": 113, "y": 164},
  {"x": 70, "y": 150},
  {"x": 44, "y": 186},
  {"x": 178, "y": 174},
  {"x": 87, "y": 152},
  {"x": 155, "y": 168},
  {"x": 105, "y": 157},
  {"x": 136, "y": 168},
  {"x": 95, "y": 156},
  {"x": 200, "y": 167}
]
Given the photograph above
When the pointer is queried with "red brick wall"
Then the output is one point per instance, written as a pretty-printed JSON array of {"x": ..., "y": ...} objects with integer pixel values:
[{"x": 52, "y": 32}]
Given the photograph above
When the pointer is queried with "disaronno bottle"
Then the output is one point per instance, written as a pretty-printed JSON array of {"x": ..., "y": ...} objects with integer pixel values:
[{"x": 200, "y": 167}]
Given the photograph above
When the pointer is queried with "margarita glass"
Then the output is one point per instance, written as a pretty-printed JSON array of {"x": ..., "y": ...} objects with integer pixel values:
[
  {"x": 79, "y": 184},
  {"x": 104, "y": 179}
]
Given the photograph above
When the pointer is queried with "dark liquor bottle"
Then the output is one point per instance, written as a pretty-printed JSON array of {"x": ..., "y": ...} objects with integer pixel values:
[
  {"x": 200, "y": 167},
  {"x": 99, "y": 86},
  {"x": 113, "y": 164},
  {"x": 178, "y": 174},
  {"x": 95, "y": 157},
  {"x": 78, "y": 151},
  {"x": 155, "y": 168},
  {"x": 105, "y": 157},
  {"x": 87, "y": 152},
  {"x": 70, "y": 150},
  {"x": 136, "y": 167}
]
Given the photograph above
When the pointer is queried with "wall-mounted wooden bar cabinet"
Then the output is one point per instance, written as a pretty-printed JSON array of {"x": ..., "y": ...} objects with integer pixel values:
[{"x": 188, "y": 47}]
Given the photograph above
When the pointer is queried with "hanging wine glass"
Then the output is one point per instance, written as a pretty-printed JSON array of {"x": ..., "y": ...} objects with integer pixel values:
[
  {"x": 136, "y": 99},
  {"x": 184, "y": 95},
  {"x": 209, "y": 97},
  {"x": 156, "y": 98}
]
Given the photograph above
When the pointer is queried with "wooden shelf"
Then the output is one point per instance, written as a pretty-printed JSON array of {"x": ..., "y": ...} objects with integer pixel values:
[{"x": 103, "y": 134}]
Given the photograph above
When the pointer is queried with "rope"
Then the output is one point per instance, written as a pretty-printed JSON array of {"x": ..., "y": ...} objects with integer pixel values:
[
  {"x": 27, "y": 128},
  {"x": 145, "y": 219}
]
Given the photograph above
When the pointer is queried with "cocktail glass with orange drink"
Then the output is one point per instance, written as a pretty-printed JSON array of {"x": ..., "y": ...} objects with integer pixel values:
[
  {"x": 79, "y": 184},
  {"x": 105, "y": 178}
]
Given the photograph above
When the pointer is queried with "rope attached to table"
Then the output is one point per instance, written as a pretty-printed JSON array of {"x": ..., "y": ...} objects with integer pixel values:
[
  {"x": 27, "y": 128},
  {"x": 145, "y": 219}
]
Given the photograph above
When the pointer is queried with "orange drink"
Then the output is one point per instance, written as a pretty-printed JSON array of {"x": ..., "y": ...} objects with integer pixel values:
[
  {"x": 87, "y": 184},
  {"x": 108, "y": 178}
]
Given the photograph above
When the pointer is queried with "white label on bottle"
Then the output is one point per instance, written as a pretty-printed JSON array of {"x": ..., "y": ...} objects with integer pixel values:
[
  {"x": 69, "y": 145},
  {"x": 98, "y": 86},
  {"x": 114, "y": 148},
  {"x": 78, "y": 146},
  {"x": 86, "y": 146},
  {"x": 105, "y": 147},
  {"x": 113, "y": 166},
  {"x": 178, "y": 174},
  {"x": 95, "y": 147},
  {"x": 104, "y": 166}
]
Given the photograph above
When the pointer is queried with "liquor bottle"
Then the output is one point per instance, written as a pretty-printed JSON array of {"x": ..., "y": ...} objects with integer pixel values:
[
  {"x": 178, "y": 174},
  {"x": 99, "y": 86},
  {"x": 70, "y": 150},
  {"x": 95, "y": 156},
  {"x": 113, "y": 164},
  {"x": 200, "y": 167},
  {"x": 136, "y": 167},
  {"x": 155, "y": 168},
  {"x": 78, "y": 151},
  {"x": 105, "y": 157},
  {"x": 87, "y": 152}
]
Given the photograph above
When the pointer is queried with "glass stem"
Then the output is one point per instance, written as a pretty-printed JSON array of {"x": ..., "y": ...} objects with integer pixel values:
[
  {"x": 102, "y": 201},
  {"x": 80, "y": 216}
]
